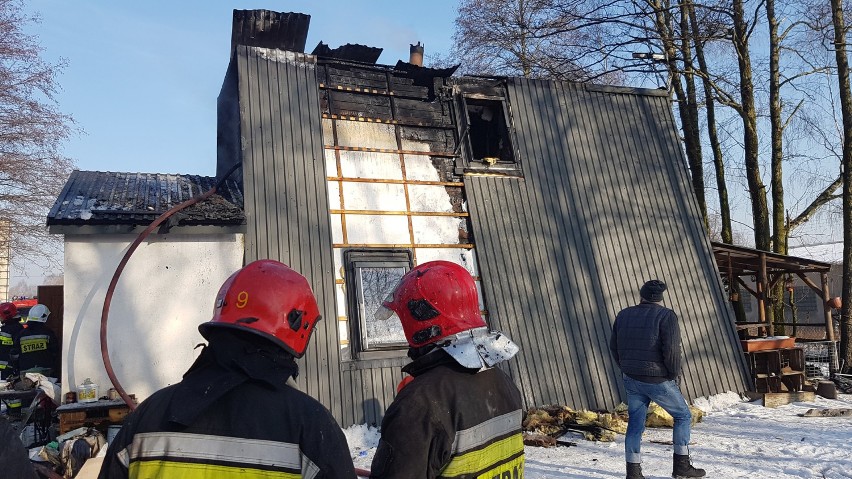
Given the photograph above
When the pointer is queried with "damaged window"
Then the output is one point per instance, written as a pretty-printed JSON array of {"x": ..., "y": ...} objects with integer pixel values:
[
  {"x": 371, "y": 277},
  {"x": 488, "y": 132}
]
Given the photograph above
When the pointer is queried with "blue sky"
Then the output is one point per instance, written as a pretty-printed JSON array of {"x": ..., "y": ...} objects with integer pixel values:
[{"x": 142, "y": 77}]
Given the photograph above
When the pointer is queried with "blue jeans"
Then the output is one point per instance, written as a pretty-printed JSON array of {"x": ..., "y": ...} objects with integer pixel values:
[{"x": 668, "y": 396}]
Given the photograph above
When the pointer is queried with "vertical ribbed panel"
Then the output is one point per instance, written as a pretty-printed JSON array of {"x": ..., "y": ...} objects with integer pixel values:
[
  {"x": 286, "y": 194},
  {"x": 604, "y": 205}
]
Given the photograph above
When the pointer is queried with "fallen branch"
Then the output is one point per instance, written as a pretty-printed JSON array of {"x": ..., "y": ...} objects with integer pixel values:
[{"x": 833, "y": 412}]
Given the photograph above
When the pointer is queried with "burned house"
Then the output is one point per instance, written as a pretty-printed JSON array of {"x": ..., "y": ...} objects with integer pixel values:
[{"x": 561, "y": 199}]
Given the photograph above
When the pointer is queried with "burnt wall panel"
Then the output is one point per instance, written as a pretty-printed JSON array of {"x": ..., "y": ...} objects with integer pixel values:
[
  {"x": 604, "y": 205},
  {"x": 286, "y": 198}
]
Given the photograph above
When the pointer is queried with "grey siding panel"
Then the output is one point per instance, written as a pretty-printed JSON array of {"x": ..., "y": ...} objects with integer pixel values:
[
  {"x": 287, "y": 195},
  {"x": 604, "y": 205}
]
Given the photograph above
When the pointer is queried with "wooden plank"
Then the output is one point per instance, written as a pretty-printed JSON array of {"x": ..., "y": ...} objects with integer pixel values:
[{"x": 774, "y": 400}]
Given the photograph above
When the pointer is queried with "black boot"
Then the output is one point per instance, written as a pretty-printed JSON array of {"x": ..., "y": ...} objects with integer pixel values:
[
  {"x": 634, "y": 471},
  {"x": 683, "y": 468}
]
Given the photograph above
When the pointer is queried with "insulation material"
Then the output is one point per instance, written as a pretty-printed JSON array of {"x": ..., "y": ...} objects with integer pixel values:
[
  {"x": 379, "y": 229},
  {"x": 327, "y": 132},
  {"x": 366, "y": 135},
  {"x": 330, "y": 163},
  {"x": 414, "y": 145},
  {"x": 420, "y": 168},
  {"x": 461, "y": 256},
  {"x": 336, "y": 229},
  {"x": 435, "y": 199},
  {"x": 374, "y": 196},
  {"x": 438, "y": 229},
  {"x": 337, "y": 256},
  {"x": 365, "y": 164},
  {"x": 343, "y": 332},
  {"x": 334, "y": 195},
  {"x": 340, "y": 297}
]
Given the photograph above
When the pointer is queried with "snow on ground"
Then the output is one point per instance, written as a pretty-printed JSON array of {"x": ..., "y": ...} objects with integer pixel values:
[{"x": 735, "y": 440}]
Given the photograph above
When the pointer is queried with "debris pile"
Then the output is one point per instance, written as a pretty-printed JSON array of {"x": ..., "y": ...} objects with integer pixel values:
[
  {"x": 844, "y": 383},
  {"x": 544, "y": 426}
]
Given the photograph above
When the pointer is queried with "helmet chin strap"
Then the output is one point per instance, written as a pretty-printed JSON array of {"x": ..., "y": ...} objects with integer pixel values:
[{"x": 479, "y": 348}]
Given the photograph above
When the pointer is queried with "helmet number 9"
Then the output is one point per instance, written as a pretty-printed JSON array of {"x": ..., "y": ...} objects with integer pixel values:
[{"x": 242, "y": 299}]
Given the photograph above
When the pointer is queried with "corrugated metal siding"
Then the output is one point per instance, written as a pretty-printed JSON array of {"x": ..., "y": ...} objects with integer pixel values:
[
  {"x": 286, "y": 194},
  {"x": 604, "y": 205}
]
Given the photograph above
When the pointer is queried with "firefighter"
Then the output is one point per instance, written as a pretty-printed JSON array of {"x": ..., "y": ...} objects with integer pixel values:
[
  {"x": 459, "y": 416},
  {"x": 234, "y": 413},
  {"x": 37, "y": 346},
  {"x": 8, "y": 334}
]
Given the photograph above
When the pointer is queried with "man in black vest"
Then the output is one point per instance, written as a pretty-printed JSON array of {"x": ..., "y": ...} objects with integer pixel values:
[{"x": 645, "y": 344}]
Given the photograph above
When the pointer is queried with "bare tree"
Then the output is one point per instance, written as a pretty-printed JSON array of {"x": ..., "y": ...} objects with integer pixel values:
[
  {"x": 32, "y": 170},
  {"x": 840, "y": 36},
  {"x": 533, "y": 38}
]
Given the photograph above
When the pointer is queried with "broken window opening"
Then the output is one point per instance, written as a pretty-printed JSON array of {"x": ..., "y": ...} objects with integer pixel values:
[
  {"x": 371, "y": 277},
  {"x": 488, "y": 131}
]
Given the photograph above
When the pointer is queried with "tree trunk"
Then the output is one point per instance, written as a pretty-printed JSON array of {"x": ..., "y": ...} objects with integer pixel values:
[
  {"x": 779, "y": 225},
  {"x": 716, "y": 147},
  {"x": 689, "y": 114},
  {"x": 846, "y": 110},
  {"x": 756, "y": 188}
]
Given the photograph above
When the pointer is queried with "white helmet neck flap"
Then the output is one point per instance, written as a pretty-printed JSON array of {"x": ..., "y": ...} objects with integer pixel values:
[{"x": 479, "y": 348}]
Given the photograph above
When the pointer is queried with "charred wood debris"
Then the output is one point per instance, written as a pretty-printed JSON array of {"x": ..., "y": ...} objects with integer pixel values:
[{"x": 549, "y": 426}]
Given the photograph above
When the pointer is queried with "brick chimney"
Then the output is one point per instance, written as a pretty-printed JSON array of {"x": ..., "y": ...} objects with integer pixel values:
[{"x": 416, "y": 57}]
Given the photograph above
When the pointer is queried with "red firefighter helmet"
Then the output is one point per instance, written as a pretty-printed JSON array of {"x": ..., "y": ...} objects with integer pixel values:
[
  {"x": 7, "y": 311},
  {"x": 268, "y": 298},
  {"x": 435, "y": 300}
]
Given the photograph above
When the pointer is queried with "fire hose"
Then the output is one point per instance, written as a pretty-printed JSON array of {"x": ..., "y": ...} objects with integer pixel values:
[{"x": 118, "y": 270}]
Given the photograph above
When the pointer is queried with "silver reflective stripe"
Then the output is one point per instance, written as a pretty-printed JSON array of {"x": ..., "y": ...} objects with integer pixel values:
[
  {"x": 481, "y": 433},
  {"x": 309, "y": 469},
  {"x": 124, "y": 457},
  {"x": 3, "y": 364},
  {"x": 214, "y": 448},
  {"x": 34, "y": 337},
  {"x": 5, "y": 335}
]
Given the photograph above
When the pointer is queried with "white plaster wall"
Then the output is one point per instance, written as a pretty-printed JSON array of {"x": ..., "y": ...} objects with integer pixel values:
[{"x": 166, "y": 290}]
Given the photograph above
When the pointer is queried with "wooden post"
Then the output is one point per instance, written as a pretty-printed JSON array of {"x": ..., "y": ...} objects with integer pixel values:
[
  {"x": 826, "y": 298},
  {"x": 761, "y": 293}
]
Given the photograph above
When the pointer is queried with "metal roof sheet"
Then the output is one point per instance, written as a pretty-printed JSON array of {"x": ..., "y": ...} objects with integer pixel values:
[{"x": 112, "y": 198}]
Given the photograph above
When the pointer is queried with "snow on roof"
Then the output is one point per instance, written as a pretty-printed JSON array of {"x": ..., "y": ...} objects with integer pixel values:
[{"x": 827, "y": 252}]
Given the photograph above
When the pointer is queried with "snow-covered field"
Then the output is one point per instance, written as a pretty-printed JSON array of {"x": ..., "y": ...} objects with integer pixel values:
[{"x": 736, "y": 439}]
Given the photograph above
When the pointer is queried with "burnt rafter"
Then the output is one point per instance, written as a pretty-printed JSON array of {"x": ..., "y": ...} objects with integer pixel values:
[
  {"x": 350, "y": 52},
  {"x": 268, "y": 29}
]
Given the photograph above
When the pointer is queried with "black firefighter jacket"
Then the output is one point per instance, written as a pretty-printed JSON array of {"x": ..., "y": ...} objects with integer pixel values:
[
  {"x": 452, "y": 422},
  {"x": 231, "y": 416},
  {"x": 8, "y": 337},
  {"x": 37, "y": 347}
]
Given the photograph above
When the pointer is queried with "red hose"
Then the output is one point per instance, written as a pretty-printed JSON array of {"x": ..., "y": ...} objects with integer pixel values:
[
  {"x": 362, "y": 472},
  {"x": 108, "y": 298}
]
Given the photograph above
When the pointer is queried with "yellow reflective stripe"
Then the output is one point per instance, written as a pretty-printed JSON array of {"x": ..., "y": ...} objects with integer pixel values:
[
  {"x": 485, "y": 459},
  {"x": 6, "y": 339},
  {"x": 188, "y": 470}
]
